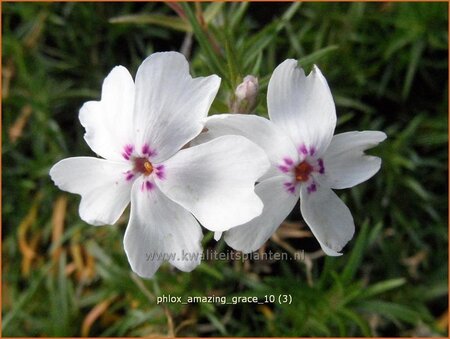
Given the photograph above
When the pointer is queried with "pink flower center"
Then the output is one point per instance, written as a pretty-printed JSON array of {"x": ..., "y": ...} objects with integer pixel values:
[
  {"x": 302, "y": 171},
  {"x": 142, "y": 165}
]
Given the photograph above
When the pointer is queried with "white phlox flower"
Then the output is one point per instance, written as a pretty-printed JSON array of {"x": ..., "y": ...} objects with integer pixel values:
[
  {"x": 140, "y": 128},
  {"x": 307, "y": 161}
]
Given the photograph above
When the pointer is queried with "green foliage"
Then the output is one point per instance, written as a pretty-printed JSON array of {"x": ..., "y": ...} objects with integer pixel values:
[{"x": 386, "y": 64}]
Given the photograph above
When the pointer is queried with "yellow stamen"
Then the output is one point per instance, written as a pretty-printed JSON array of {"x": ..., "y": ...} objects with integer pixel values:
[{"x": 148, "y": 168}]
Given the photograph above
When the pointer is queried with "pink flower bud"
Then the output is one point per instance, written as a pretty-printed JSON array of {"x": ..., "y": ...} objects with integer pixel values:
[
  {"x": 245, "y": 95},
  {"x": 248, "y": 89}
]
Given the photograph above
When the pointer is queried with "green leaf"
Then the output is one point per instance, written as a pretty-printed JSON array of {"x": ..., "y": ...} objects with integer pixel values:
[
  {"x": 261, "y": 40},
  {"x": 352, "y": 103},
  {"x": 382, "y": 287},
  {"x": 357, "y": 319},
  {"x": 212, "y": 11},
  {"x": 416, "y": 187},
  {"x": 217, "y": 324},
  {"x": 153, "y": 19},
  {"x": 25, "y": 297},
  {"x": 237, "y": 15},
  {"x": 415, "y": 55},
  {"x": 356, "y": 255},
  {"x": 392, "y": 311},
  {"x": 213, "y": 59},
  {"x": 309, "y": 59}
]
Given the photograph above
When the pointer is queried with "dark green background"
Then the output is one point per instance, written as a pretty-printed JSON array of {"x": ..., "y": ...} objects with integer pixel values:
[{"x": 386, "y": 64}]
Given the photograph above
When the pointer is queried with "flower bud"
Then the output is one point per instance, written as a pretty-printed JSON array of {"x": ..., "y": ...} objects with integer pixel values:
[{"x": 245, "y": 95}]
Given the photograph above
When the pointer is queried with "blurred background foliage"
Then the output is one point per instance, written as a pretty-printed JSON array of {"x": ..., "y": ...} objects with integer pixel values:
[{"x": 386, "y": 64}]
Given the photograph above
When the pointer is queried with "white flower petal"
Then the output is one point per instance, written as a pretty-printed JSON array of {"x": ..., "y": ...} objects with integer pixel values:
[
  {"x": 302, "y": 106},
  {"x": 215, "y": 181},
  {"x": 170, "y": 104},
  {"x": 108, "y": 122},
  {"x": 345, "y": 163},
  {"x": 160, "y": 230},
  {"x": 278, "y": 203},
  {"x": 328, "y": 217},
  {"x": 217, "y": 235},
  {"x": 102, "y": 184},
  {"x": 261, "y": 131}
]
